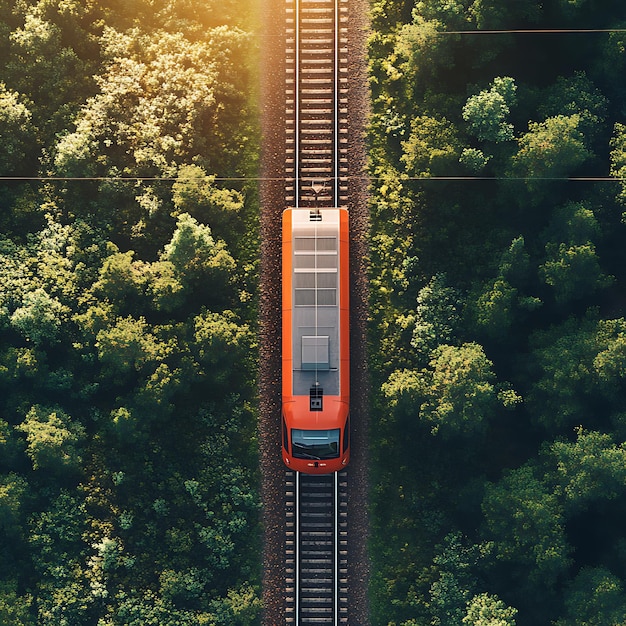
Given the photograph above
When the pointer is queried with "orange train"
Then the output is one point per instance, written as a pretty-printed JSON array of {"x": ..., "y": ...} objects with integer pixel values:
[{"x": 315, "y": 340}]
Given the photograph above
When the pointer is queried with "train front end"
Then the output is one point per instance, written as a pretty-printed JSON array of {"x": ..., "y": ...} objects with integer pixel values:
[{"x": 315, "y": 340}]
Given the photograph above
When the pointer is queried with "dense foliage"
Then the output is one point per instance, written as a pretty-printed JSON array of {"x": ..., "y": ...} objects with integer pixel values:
[
  {"x": 128, "y": 480},
  {"x": 498, "y": 308}
]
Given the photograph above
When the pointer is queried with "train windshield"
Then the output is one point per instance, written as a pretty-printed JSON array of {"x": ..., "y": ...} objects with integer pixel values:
[{"x": 315, "y": 444}]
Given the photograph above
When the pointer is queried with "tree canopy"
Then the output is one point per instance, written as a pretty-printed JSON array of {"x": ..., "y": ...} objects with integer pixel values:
[
  {"x": 128, "y": 481},
  {"x": 497, "y": 158}
]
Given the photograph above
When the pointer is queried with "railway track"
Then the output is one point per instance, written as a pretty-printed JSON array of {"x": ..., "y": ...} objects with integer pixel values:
[
  {"x": 316, "y": 175},
  {"x": 316, "y": 98},
  {"x": 316, "y": 548}
]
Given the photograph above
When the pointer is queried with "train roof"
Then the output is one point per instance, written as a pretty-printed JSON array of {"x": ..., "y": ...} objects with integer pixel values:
[{"x": 315, "y": 300}]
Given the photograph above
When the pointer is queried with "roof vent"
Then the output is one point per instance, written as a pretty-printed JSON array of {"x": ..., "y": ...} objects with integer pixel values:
[
  {"x": 316, "y": 395},
  {"x": 315, "y": 352}
]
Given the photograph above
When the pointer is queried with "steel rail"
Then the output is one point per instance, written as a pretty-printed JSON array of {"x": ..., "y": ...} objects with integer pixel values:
[
  {"x": 297, "y": 549},
  {"x": 296, "y": 104},
  {"x": 337, "y": 93},
  {"x": 336, "y": 550}
]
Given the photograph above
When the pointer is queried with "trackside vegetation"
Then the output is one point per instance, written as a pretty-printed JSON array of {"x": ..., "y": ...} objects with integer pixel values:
[
  {"x": 498, "y": 313},
  {"x": 128, "y": 270}
]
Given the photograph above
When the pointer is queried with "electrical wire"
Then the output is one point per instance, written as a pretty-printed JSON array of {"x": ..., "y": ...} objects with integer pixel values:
[
  {"x": 362, "y": 178},
  {"x": 530, "y": 31}
]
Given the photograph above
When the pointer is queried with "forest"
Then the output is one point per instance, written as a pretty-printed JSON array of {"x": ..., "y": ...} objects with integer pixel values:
[
  {"x": 129, "y": 147},
  {"x": 128, "y": 272},
  {"x": 498, "y": 303}
]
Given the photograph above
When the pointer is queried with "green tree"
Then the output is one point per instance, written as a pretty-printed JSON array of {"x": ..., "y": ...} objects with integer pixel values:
[
  {"x": 526, "y": 523},
  {"x": 488, "y": 610},
  {"x": 590, "y": 469},
  {"x": 456, "y": 396},
  {"x": 575, "y": 364},
  {"x": 39, "y": 318},
  {"x": 461, "y": 394},
  {"x": 491, "y": 14},
  {"x": 450, "y": 593},
  {"x": 576, "y": 95},
  {"x": 18, "y": 140},
  {"x": 13, "y": 492},
  {"x": 9, "y": 446},
  {"x": 129, "y": 346},
  {"x": 572, "y": 267},
  {"x": 202, "y": 264},
  {"x": 223, "y": 345},
  {"x": 487, "y": 112},
  {"x": 618, "y": 160},
  {"x": 15, "y": 609},
  {"x": 499, "y": 304},
  {"x": 610, "y": 361},
  {"x": 59, "y": 551},
  {"x": 453, "y": 14},
  {"x": 474, "y": 159},
  {"x": 164, "y": 287},
  {"x": 196, "y": 194},
  {"x": 161, "y": 101},
  {"x": 50, "y": 63},
  {"x": 240, "y": 607},
  {"x": 133, "y": 286},
  {"x": 123, "y": 281},
  {"x": 16, "y": 278},
  {"x": 419, "y": 52},
  {"x": 432, "y": 147},
  {"x": 531, "y": 255},
  {"x": 594, "y": 598},
  {"x": 550, "y": 150},
  {"x": 495, "y": 309},
  {"x": 165, "y": 101},
  {"x": 573, "y": 271},
  {"x": 404, "y": 391},
  {"x": 54, "y": 439},
  {"x": 127, "y": 490},
  {"x": 437, "y": 316},
  {"x": 573, "y": 223}
]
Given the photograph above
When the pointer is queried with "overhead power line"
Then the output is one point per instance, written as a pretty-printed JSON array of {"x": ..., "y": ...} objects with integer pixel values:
[
  {"x": 611, "y": 179},
  {"x": 125, "y": 178},
  {"x": 531, "y": 31},
  {"x": 363, "y": 178}
]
